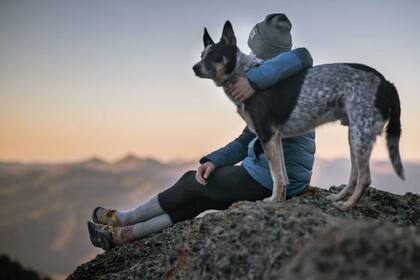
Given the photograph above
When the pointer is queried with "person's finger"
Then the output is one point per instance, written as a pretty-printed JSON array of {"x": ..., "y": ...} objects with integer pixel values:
[
  {"x": 207, "y": 172},
  {"x": 201, "y": 181},
  {"x": 235, "y": 93},
  {"x": 246, "y": 96},
  {"x": 229, "y": 89},
  {"x": 199, "y": 175}
]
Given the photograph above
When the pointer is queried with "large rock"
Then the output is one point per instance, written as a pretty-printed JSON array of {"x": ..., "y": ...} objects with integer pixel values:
[
  {"x": 302, "y": 238},
  {"x": 366, "y": 250}
]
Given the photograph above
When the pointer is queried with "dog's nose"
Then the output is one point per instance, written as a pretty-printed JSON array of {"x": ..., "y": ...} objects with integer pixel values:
[{"x": 196, "y": 69}]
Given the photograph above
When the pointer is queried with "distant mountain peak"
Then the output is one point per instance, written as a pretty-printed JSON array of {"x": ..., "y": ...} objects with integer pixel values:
[
  {"x": 94, "y": 160},
  {"x": 131, "y": 158},
  {"x": 128, "y": 158}
]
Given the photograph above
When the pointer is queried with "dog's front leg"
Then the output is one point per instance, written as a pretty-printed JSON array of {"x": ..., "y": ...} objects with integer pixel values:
[{"x": 273, "y": 149}]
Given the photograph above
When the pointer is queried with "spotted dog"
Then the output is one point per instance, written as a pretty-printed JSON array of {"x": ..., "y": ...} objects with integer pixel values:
[{"x": 354, "y": 94}]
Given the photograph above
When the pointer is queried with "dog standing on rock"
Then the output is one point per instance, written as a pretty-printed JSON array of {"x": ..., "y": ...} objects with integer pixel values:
[{"x": 354, "y": 94}]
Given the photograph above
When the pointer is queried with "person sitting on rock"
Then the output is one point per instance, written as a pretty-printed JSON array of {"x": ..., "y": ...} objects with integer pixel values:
[{"x": 218, "y": 182}]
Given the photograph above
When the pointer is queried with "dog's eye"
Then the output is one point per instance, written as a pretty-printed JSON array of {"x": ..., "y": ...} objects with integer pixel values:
[
  {"x": 217, "y": 58},
  {"x": 202, "y": 54}
]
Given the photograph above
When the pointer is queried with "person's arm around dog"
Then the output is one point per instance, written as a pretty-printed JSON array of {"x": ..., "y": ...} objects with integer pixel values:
[{"x": 271, "y": 71}]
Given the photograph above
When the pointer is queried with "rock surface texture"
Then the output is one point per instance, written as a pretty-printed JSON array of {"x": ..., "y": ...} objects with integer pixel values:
[{"x": 302, "y": 238}]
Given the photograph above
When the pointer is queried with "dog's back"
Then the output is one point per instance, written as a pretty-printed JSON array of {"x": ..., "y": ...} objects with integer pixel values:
[
  {"x": 318, "y": 95},
  {"x": 355, "y": 94}
]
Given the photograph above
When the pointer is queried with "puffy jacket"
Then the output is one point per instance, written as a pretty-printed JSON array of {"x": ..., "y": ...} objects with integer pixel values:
[{"x": 298, "y": 151}]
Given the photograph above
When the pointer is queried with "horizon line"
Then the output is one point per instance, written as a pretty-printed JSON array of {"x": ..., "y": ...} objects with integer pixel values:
[{"x": 150, "y": 157}]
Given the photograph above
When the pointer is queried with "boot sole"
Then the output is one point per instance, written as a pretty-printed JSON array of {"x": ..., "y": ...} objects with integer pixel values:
[
  {"x": 94, "y": 219},
  {"x": 100, "y": 238}
]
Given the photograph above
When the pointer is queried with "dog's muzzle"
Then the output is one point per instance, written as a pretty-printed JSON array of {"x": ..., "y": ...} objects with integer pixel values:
[{"x": 198, "y": 71}]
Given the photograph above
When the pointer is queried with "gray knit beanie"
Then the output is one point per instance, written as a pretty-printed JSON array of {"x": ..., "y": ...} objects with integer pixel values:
[{"x": 271, "y": 36}]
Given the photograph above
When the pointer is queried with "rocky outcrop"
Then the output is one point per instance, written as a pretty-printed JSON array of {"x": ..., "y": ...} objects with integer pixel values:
[
  {"x": 368, "y": 250},
  {"x": 302, "y": 238}
]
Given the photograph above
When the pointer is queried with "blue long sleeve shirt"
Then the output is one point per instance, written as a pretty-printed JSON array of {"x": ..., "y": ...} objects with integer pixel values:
[{"x": 298, "y": 151}]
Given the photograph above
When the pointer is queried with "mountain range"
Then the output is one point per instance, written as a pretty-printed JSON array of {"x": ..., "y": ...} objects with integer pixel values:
[{"x": 44, "y": 207}]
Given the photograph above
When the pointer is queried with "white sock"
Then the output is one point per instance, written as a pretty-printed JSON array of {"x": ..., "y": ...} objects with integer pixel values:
[
  {"x": 142, "y": 212},
  {"x": 142, "y": 229},
  {"x": 153, "y": 225}
]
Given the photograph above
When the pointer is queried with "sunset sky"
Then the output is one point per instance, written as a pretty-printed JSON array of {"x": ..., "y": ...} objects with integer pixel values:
[{"x": 106, "y": 78}]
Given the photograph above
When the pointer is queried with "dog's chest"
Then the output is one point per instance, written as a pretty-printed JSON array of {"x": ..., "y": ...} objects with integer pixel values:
[{"x": 240, "y": 109}]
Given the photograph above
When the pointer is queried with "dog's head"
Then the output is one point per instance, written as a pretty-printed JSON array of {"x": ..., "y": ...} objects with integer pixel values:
[{"x": 218, "y": 60}]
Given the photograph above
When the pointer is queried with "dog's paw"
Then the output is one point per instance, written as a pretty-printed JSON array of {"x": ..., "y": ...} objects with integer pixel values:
[
  {"x": 268, "y": 199},
  {"x": 333, "y": 197},
  {"x": 342, "y": 205},
  {"x": 273, "y": 199}
]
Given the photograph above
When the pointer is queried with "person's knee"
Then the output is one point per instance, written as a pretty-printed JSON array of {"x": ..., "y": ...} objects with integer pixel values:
[
  {"x": 189, "y": 183},
  {"x": 193, "y": 187},
  {"x": 188, "y": 176}
]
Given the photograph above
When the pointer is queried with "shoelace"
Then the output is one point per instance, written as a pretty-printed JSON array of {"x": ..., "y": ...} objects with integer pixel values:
[{"x": 110, "y": 214}]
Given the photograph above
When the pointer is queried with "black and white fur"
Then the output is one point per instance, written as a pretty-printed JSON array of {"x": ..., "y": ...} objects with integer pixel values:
[{"x": 354, "y": 94}]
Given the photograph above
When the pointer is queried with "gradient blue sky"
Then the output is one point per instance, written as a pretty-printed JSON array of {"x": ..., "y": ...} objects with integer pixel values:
[{"x": 83, "y": 78}]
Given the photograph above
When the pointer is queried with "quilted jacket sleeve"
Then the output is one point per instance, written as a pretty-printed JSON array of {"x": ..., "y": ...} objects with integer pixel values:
[
  {"x": 279, "y": 67},
  {"x": 233, "y": 152}
]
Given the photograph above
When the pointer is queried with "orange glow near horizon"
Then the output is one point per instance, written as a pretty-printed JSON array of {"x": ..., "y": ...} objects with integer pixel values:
[
  {"x": 163, "y": 140},
  {"x": 104, "y": 85}
]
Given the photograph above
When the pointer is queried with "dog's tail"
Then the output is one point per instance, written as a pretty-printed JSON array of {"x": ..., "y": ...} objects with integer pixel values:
[{"x": 393, "y": 129}]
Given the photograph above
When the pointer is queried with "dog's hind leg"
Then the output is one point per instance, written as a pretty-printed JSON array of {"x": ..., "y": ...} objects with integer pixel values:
[
  {"x": 353, "y": 175},
  {"x": 273, "y": 149},
  {"x": 362, "y": 147}
]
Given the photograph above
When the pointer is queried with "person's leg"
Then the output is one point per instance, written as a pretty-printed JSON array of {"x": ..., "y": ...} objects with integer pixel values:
[
  {"x": 106, "y": 237},
  {"x": 226, "y": 185},
  {"x": 142, "y": 229},
  {"x": 187, "y": 198},
  {"x": 183, "y": 192},
  {"x": 144, "y": 211},
  {"x": 184, "y": 188},
  {"x": 198, "y": 206}
]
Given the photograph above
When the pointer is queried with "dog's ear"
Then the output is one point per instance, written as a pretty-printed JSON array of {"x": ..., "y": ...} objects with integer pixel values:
[
  {"x": 228, "y": 36},
  {"x": 207, "y": 39}
]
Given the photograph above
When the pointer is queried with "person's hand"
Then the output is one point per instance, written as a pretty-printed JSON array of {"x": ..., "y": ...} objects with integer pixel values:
[
  {"x": 241, "y": 90},
  {"x": 203, "y": 172}
]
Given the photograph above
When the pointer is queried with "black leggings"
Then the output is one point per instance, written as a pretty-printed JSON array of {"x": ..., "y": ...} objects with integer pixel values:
[{"x": 187, "y": 198}]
